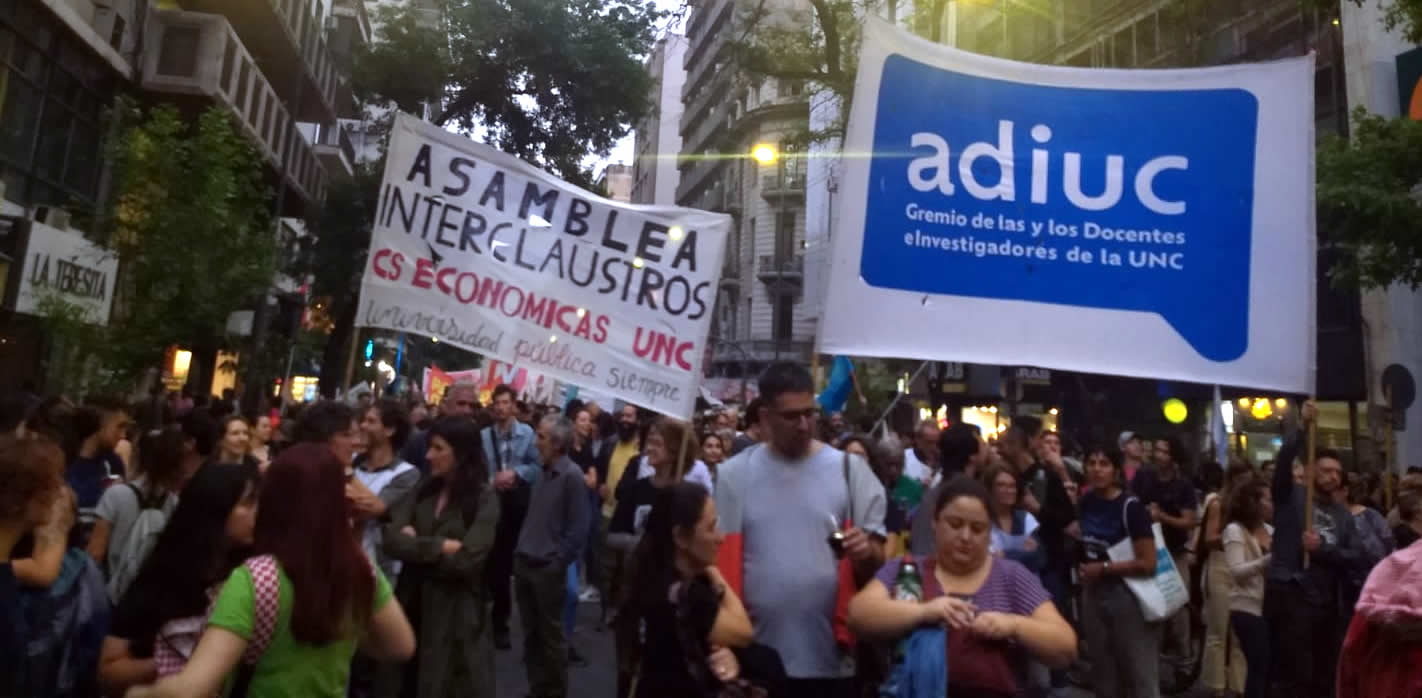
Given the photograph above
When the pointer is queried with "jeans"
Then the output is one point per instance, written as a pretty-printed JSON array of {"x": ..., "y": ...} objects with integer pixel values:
[
  {"x": 1176, "y": 649},
  {"x": 1253, "y": 634},
  {"x": 1304, "y": 640},
  {"x": 592, "y": 568},
  {"x": 541, "y": 592},
  {"x": 1123, "y": 647}
]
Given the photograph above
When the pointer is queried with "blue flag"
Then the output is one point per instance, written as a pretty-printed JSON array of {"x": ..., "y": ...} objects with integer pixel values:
[{"x": 841, "y": 383}]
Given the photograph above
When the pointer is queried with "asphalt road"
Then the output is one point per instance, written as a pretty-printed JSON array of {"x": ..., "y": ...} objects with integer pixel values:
[{"x": 599, "y": 678}]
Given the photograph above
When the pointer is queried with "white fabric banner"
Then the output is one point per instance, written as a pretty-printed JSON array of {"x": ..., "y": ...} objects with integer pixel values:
[
  {"x": 1151, "y": 223},
  {"x": 487, "y": 252}
]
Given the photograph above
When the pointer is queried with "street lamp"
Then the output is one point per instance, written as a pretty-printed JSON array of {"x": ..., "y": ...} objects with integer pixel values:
[{"x": 765, "y": 154}]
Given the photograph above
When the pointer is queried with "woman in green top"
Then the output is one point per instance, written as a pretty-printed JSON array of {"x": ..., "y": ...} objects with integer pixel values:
[
  {"x": 444, "y": 535},
  {"x": 330, "y": 597}
]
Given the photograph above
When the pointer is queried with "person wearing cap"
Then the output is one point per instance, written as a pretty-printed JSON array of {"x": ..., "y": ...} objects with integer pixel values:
[{"x": 1132, "y": 454}]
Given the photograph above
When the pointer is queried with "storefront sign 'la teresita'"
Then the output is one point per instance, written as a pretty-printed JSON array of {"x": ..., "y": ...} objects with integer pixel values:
[
  {"x": 62, "y": 267},
  {"x": 480, "y": 249}
]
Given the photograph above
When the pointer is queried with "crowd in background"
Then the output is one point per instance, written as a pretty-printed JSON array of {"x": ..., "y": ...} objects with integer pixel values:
[{"x": 170, "y": 546}]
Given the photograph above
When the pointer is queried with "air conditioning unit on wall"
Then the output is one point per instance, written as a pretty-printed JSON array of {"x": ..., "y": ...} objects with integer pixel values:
[{"x": 52, "y": 216}]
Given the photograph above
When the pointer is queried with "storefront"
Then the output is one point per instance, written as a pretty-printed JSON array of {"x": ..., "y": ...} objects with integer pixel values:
[{"x": 52, "y": 278}]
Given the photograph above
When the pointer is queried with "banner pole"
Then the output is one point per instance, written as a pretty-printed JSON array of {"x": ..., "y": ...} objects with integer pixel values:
[
  {"x": 907, "y": 387},
  {"x": 1390, "y": 439},
  {"x": 350, "y": 362},
  {"x": 681, "y": 469},
  {"x": 1308, "y": 477}
]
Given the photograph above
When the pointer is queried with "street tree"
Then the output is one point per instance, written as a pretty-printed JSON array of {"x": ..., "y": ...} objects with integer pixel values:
[
  {"x": 193, "y": 233},
  {"x": 342, "y": 240},
  {"x": 1398, "y": 15},
  {"x": 1370, "y": 201},
  {"x": 551, "y": 81}
]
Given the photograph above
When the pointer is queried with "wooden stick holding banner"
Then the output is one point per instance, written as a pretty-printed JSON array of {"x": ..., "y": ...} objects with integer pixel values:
[
  {"x": 1308, "y": 476},
  {"x": 1390, "y": 439}
]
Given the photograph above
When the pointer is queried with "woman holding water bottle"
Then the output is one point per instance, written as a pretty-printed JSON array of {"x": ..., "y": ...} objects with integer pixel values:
[{"x": 997, "y": 613}]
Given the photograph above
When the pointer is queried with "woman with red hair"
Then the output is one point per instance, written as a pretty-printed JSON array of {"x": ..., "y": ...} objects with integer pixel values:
[{"x": 290, "y": 619}]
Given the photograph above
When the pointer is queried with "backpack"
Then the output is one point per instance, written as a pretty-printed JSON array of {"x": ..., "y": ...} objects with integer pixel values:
[
  {"x": 179, "y": 637},
  {"x": 142, "y": 536}
]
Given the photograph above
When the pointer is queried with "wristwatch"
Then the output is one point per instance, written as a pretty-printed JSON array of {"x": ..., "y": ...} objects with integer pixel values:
[{"x": 1105, "y": 567}]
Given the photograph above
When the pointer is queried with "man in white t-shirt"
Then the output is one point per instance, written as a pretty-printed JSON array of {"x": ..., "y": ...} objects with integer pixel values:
[
  {"x": 921, "y": 461},
  {"x": 778, "y": 506},
  {"x": 382, "y": 479}
]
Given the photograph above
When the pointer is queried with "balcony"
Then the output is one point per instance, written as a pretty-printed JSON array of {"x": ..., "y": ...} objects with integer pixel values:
[
  {"x": 695, "y": 175},
  {"x": 731, "y": 271},
  {"x": 707, "y": 107},
  {"x": 337, "y": 155},
  {"x": 787, "y": 185},
  {"x": 352, "y": 31},
  {"x": 781, "y": 270},
  {"x": 199, "y": 59},
  {"x": 734, "y": 192},
  {"x": 288, "y": 42}
]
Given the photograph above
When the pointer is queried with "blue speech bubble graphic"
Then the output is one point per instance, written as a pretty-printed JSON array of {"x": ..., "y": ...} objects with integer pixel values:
[{"x": 1114, "y": 199}]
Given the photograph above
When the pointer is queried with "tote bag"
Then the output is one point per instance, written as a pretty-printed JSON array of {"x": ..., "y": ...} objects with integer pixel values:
[{"x": 1161, "y": 594}]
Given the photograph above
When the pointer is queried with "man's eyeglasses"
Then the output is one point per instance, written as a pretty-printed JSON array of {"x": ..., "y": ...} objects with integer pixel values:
[{"x": 463, "y": 403}]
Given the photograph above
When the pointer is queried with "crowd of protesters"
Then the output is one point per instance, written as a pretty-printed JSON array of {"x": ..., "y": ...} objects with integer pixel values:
[{"x": 375, "y": 548}]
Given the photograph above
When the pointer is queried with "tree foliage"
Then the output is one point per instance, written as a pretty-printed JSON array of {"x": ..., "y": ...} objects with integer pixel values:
[
  {"x": 193, "y": 232},
  {"x": 818, "y": 45},
  {"x": 1369, "y": 188},
  {"x": 342, "y": 243},
  {"x": 551, "y": 81},
  {"x": 1398, "y": 15}
]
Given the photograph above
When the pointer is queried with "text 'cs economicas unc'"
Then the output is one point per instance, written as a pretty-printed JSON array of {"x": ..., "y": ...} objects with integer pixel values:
[{"x": 521, "y": 252}]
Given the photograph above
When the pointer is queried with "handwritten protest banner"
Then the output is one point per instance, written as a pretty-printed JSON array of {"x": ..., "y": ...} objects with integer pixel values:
[{"x": 487, "y": 252}]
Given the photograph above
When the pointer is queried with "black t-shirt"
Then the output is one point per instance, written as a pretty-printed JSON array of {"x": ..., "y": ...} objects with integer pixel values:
[
  {"x": 1174, "y": 497},
  {"x": 1106, "y": 522},
  {"x": 639, "y": 494},
  {"x": 129, "y": 621},
  {"x": 1056, "y": 514},
  {"x": 665, "y": 665},
  {"x": 12, "y": 631}
]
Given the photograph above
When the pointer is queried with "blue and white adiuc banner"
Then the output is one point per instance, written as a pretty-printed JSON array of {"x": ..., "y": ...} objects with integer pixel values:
[{"x": 1155, "y": 223}]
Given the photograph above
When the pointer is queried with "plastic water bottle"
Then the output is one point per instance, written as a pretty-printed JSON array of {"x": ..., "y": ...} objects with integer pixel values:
[{"x": 908, "y": 585}]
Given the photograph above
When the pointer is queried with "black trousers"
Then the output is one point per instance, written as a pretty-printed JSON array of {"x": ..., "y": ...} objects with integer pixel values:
[
  {"x": 818, "y": 688},
  {"x": 1304, "y": 640},
  {"x": 513, "y": 506},
  {"x": 541, "y": 593},
  {"x": 1253, "y": 634}
]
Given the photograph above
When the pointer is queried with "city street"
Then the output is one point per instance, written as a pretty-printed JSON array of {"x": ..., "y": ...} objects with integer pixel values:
[{"x": 599, "y": 677}]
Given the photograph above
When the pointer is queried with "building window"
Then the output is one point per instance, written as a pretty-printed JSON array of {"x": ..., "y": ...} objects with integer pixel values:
[
  {"x": 178, "y": 54},
  {"x": 783, "y": 317},
  {"x": 784, "y": 235},
  {"x": 52, "y": 80}
]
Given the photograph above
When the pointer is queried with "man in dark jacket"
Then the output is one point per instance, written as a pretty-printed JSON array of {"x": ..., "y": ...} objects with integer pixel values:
[{"x": 1309, "y": 562}]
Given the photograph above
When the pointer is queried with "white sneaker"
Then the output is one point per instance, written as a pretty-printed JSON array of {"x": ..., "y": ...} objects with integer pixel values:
[{"x": 590, "y": 595}]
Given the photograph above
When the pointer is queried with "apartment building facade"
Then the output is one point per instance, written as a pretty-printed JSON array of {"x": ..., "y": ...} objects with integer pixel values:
[
  {"x": 279, "y": 67},
  {"x": 658, "y": 137},
  {"x": 759, "y": 315},
  {"x": 617, "y": 181}
]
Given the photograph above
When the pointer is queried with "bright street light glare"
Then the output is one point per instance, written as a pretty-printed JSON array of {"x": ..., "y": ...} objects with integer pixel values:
[{"x": 764, "y": 154}]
